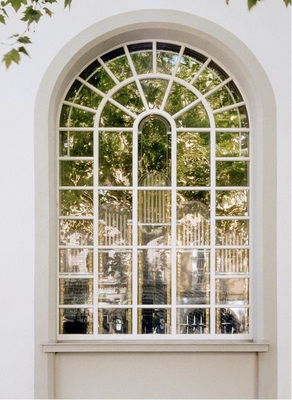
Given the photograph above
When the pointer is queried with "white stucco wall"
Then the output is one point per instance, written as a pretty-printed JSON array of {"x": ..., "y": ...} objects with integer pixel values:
[{"x": 265, "y": 31}]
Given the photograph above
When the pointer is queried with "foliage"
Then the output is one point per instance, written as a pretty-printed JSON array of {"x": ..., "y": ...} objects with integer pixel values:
[
  {"x": 32, "y": 12},
  {"x": 252, "y": 3}
]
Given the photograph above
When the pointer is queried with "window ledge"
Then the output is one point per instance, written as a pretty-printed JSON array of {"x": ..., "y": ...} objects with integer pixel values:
[{"x": 174, "y": 346}]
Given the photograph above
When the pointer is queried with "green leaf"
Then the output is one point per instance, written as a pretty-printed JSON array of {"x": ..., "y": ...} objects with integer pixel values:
[
  {"x": 67, "y": 3},
  {"x": 287, "y": 2},
  {"x": 31, "y": 15},
  {"x": 24, "y": 39},
  {"x": 10, "y": 57},
  {"x": 16, "y": 4},
  {"x": 251, "y": 3},
  {"x": 48, "y": 11},
  {"x": 2, "y": 19},
  {"x": 22, "y": 49}
]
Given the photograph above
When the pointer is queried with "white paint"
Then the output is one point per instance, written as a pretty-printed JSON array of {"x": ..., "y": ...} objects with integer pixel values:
[{"x": 265, "y": 31}]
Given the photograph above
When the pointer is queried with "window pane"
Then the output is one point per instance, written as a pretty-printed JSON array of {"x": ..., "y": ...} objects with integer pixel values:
[
  {"x": 179, "y": 97},
  {"x": 76, "y": 173},
  {"x": 113, "y": 116},
  {"x": 166, "y": 62},
  {"x": 154, "y": 151},
  {"x": 76, "y": 118},
  {"x": 114, "y": 321},
  {"x": 120, "y": 68},
  {"x": 232, "y": 173},
  {"x": 76, "y": 321},
  {"x": 197, "y": 117},
  {"x": 193, "y": 224},
  {"x": 235, "y": 118},
  {"x": 232, "y": 144},
  {"x": 76, "y": 144},
  {"x": 129, "y": 97},
  {"x": 76, "y": 202},
  {"x": 154, "y": 276},
  {"x": 154, "y": 321},
  {"x": 193, "y": 159},
  {"x": 76, "y": 261},
  {"x": 232, "y": 261},
  {"x": 115, "y": 159},
  {"x": 232, "y": 291},
  {"x": 154, "y": 90},
  {"x": 114, "y": 277},
  {"x": 115, "y": 218},
  {"x": 232, "y": 202},
  {"x": 143, "y": 62},
  {"x": 193, "y": 276},
  {"x": 193, "y": 321},
  {"x": 232, "y": 320},
  {"x": 76, "y": 291},
  {"x": 154, "y": 216},
  {"x": 76, "y": 232},
  {"x": 232, "y": 232},
  {"x": 81, "y": 94}
]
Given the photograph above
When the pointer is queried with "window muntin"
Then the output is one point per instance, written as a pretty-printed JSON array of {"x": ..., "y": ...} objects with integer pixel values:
[{"x": 154, "y": 198}]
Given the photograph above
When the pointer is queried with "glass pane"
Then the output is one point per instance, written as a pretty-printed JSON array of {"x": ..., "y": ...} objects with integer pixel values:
[
  {"x": 76, "y": 232},
  {"x": 188, "y": 68},
  {"x": 193, "y": 320},
  {"x": 232, "y": 144},
  {"x": 193, "y": 159},
  {"x": 74, "y": 117},
  {"x": 193, "y": 276},
  {"x": 232, "y": 173},
  {"x": 154, "y": 150},
  {"x": 76, "y": 144},
  {"x": 178, "y": 98},
  {"x": 235, "y": 118},
  {"x": 154, "y": 90},
  {"x": 115, "y": 218},
  {"x": 76, "y": 291},
  {"x": 120, "y": 68},
  {"x": 232, "y": 261},
  {"x": 115, "y": 159},
  {"x": 114, "y": 321},
  {"x": 232, "y": 202},
  {"x": 76, "y": 202},
  {"x": 113, "y": 116},
  {"x": 76, "y": 261},
  {"x": 129, "y": 96},
  {"x": 232, "y": 232},
  {"x": 80, "y": 94},
  {"x": 98, "y": 77},
  {"x": 143, "y": 62},
  {"x": 76, "y": 173},
  {"x": 207, "y": 80},
  {"x": 166, "y": 61},
  {"x": 193, "y": 219},
  {"x": 154, "y": 321},
  {"x": 115, "y": 276},
  {"x": 232, "y": 291},
  {"x": 221, "y": 98},
  {"x": 196, "y": 117},
  {"x": 154, "y": 276},
  {"x": 232, "y": 320},
  {"x": 76, "y": 321}
]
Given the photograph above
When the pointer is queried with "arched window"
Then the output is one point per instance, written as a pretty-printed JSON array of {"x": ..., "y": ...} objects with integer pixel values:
[{"x": 154, "y": 197}]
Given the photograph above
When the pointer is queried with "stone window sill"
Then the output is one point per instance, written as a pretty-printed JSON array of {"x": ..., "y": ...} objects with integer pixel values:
[{"x": 174, "y": 346}]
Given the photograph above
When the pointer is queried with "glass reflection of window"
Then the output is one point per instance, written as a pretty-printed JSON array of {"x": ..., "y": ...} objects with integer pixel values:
[{"x": 154, "y": 198}]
